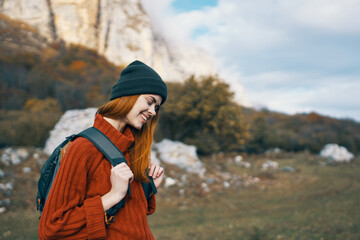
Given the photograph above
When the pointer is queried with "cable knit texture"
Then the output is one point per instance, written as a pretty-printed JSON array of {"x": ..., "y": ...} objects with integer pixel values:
[{"x": 74, "y": 209}]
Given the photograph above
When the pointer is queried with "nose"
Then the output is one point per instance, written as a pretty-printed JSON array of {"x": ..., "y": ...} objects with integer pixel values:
[{"x": 152, "y": 110}]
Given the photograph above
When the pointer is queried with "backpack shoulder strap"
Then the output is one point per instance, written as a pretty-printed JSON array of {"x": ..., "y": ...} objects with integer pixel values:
[{"x": 104, "y": 144}]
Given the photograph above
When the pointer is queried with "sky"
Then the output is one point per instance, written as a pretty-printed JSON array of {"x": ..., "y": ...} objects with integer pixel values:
[{"x": 293, "y": 56}]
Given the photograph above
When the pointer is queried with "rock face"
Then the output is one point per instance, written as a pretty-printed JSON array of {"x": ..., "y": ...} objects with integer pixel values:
[{"x": 118, "y": 29}]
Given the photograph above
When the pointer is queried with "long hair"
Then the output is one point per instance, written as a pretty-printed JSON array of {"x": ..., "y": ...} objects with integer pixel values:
[{"x": 140, "y": 151}]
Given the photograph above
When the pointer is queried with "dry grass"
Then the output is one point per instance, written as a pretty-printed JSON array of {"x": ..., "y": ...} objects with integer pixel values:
[
  {"x": 18, "y": 24},
  {"x": 315, "y": 202}
]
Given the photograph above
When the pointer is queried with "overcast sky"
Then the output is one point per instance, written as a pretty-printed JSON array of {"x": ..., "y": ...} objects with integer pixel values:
[{"x": 289, "y": 56}]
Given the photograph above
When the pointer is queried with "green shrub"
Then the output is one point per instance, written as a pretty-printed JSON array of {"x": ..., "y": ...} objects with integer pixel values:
[
  {"x": 26, "y": 128},
  {"x": 300, "y": 132},
  {"x": 202, "y": 113}
]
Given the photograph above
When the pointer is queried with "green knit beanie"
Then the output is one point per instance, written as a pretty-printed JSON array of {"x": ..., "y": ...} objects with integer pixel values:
[{"x": 138, "y": 78}]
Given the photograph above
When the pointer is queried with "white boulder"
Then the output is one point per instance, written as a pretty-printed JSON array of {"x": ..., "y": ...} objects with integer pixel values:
[
  {"x": 26, "y": 170},
  {"x": 179, "y": 154},
  {"x": 2, "y": 209},
  {"x": 6, "y": 186},
  {"x": 72, "y": 122},
  {"x": 14, "y": 156},
  {"x": 169, "y": 182},
  {"x": 245, "y": 164},
  {"x": 226, "y": 184},
  {"x": 270, "y": 165},
  {"x": 336, "y": 153},
  {"x": 205, "y": 187},
  {"x": 273, "y": 150},
  {"x": 239, "y": 160}
]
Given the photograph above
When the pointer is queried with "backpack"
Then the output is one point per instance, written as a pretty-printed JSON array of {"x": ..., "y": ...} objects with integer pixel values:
[{"x": 108, "y": 149}]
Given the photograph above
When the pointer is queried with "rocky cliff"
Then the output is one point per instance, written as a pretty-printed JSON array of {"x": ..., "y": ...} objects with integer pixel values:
[{"x": 118, "y": 29}]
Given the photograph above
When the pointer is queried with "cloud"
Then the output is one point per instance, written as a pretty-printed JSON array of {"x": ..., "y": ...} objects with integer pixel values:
[
  {"x": 290, "y": 56},
  {"x": 336, "y": 96},
  {"x": 330, "y": 15}
]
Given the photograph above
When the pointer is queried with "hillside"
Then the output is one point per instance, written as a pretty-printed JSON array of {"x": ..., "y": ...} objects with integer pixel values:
[
  {"x": 32, "y": 68},
  {"x": 40, "y": 80},
  {"x": 120, "y": 31},
  {"x": 19, "y": 36}
]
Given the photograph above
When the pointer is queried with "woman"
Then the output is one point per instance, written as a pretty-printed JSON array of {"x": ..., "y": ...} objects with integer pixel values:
[{"x": 87, "y": 185}]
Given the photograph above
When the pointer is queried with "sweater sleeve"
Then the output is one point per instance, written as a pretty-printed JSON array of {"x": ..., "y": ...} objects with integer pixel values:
[{"x": 68, "y": 214}]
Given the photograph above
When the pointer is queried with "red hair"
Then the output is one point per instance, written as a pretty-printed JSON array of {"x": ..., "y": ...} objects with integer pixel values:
[{"x": 140, "y": 151}]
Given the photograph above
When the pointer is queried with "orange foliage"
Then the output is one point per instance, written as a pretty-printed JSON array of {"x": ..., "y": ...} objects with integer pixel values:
[
  {"x": 45, "y": 105},
  {"x": 77, "y": 65},
  {"x": 314, "y": 117},
  {"x": 49, "y": 53}
]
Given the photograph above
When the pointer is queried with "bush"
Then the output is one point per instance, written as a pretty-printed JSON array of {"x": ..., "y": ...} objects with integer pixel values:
[
  {"x": 26, "y": 128},
  {"x": 75, "y": 76},
  {"x": 46, "y": 105},
  {"x": 300, "y": 132},
  {"x": 202, "y": 113}
]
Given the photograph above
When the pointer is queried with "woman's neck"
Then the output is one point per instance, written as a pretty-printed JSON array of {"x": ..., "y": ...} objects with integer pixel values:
[{"x": 116, "y": 123}]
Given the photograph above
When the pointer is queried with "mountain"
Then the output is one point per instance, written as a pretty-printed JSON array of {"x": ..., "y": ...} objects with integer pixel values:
[{"x": 120, "y": 30}]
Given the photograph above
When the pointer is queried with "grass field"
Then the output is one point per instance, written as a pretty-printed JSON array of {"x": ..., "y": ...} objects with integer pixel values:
[{"x": 315, "y": 202}]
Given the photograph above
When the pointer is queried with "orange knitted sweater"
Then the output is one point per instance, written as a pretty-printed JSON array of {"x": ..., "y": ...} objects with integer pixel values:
[{"x": 74, "y": 208}]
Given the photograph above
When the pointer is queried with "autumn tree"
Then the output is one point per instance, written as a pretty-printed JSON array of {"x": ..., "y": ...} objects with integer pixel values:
[{"x": 201, "y": 112}]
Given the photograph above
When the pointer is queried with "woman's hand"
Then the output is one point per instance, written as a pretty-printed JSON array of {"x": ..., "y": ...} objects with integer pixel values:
[
  {"x": 121, "y": 176},
  {"x": 157, "y": 173}
]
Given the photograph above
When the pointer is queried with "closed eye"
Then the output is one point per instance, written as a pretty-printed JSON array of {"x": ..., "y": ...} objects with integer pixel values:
[{"x": 151, "y": 101}]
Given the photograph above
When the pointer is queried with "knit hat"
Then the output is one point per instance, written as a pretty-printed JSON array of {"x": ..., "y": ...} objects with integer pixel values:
[{"x": 138, "y": 78}]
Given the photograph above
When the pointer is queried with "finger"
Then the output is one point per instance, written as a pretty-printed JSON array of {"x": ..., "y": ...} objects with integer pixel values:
[
  {"x": 121, "y": 171},
  {"x": 152, "y": 168},
  {"x": 161, "y": 172},
  {"x": 128, "y": 177},
  {"x": 156, "y": 171},
  {"x": 119, "y": 166},
  {"x": 124, "y": 174},
  {"x": 122, "y": 167}
]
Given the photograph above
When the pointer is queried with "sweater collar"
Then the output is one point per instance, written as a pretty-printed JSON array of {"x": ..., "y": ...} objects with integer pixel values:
[{"x": 122, "y": 140}]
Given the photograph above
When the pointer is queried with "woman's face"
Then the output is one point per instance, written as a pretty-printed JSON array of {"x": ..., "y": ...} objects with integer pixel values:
[{"x": 143, "y": 110}]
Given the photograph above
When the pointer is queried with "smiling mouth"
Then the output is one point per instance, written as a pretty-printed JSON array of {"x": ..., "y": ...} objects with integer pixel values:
[{"x": 144, "y": 117}]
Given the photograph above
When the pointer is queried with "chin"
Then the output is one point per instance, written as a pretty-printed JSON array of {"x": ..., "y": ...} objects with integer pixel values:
[{"x": 138, "y": 126}]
